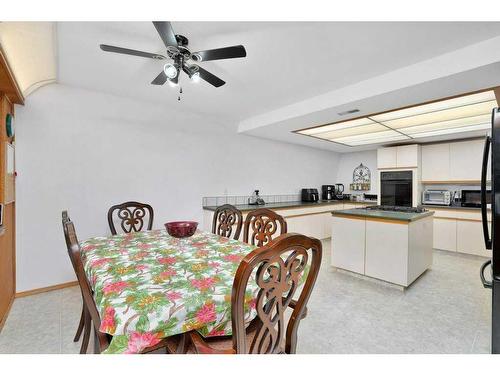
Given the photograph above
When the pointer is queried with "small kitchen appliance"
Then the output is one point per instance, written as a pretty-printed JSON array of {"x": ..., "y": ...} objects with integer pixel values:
[
  {"x": 437, "y": 197},
  {"x": 472, "y": 198},
  {"x": 339, "y": 191},
  {"x": 327, "y": 192},
  {"x": 255, "y": 199},
  {"x": 310, "y": 195}
]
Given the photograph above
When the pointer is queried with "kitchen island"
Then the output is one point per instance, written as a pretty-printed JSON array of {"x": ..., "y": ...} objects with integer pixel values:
[{"x": 392, "y": 246}]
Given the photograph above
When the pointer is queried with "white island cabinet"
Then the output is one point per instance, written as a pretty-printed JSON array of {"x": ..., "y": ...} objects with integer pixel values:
[{"x": 391, "y": 246}]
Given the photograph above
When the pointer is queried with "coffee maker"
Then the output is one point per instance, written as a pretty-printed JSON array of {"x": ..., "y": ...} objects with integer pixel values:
[{"x": 327, "y": 192}]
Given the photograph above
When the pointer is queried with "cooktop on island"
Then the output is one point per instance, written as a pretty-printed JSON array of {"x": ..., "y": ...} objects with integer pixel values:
[{"x": 417, "y": 210}]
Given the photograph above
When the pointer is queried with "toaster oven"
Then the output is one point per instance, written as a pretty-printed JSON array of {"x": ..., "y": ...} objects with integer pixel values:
[
  {"x": 472, "y": 198},
  {"x": 437, "y": 197}
]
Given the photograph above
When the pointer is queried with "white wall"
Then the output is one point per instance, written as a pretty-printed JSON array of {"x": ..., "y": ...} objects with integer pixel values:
[
  {"x": 84, "y": 151},
  {"x": 349, "y": 161}
]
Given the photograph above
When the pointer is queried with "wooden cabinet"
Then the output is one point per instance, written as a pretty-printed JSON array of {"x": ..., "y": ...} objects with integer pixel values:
[
  {"x": 436, "y": 162},
  {"x": 408, "y": 156},
  {"x": 445, "y": 234},
  {"x": 348, "y": 251},
  {"x": 387, "y": 157},
  {"x": 466, "y": 160},
  {"x": 453, "y": 162},
  {"x": 380, "y": 258},
  {"x": 398, "y": 157},
  {"x": 470, "y": 239}
]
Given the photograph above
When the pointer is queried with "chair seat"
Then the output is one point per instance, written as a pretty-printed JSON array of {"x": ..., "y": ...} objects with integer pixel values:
[{"x": 226, "y": 343}]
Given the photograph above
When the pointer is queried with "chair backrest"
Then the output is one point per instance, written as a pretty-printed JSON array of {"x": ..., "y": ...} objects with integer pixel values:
[
  {"x": 261, "y": 226},
  {"x": 279, "y": 266},
  {"x": 74, "y": 252},
  {"x": 226, "y": 218},
  {"x": 132, "y": 216}
]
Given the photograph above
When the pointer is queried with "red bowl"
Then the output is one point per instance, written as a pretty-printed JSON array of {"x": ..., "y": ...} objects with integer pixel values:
[{"x": 181, "y": 229}]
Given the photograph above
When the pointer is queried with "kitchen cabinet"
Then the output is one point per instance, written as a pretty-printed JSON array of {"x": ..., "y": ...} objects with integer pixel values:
[
  {"x": 445, "y": 234},
  {"x": 470, "y": 239},
  {"x": 466, "y": 159},
  {"x": 387, "y": 157},
  {"x": 436, "y": 162},
  {"x": 381, "y": 258},
  {"x": 398, "y": 157},
  {"x": 348, "y": 251},
  {"x": 408, "y": 156}
]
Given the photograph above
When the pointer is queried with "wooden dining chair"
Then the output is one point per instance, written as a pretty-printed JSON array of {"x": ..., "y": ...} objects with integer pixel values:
[
  {"x": 262, "y": 225},
  {"x": 279, "y": 267},
  {"x": 132, "y": 216},
  {"x": 226, "y": 218},
  {"x": 91, "y": 314}
]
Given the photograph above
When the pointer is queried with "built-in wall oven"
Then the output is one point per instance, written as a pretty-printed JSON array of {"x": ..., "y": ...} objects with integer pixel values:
[{"x": 396, "y": 188}]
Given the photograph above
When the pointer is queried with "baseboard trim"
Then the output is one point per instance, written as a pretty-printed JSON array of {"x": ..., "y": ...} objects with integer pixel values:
[
  {"x": 46, "y": 289},
  {"x": 4, "y": 319}
]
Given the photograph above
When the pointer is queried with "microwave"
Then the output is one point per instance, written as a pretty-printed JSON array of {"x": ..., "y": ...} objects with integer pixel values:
[
  {"x": 438, "y": 197},
  {"x": 472, "y": 198}
]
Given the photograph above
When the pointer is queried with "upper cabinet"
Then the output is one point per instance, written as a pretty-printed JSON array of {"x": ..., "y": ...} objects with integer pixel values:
[
  {"x": 436, "y": 162},
  {"x": 398, "y": 157},
  {"x": 465, "y": 160},
  {"x": 387, "y": 157},
  {"x": 458, "y": 162}
]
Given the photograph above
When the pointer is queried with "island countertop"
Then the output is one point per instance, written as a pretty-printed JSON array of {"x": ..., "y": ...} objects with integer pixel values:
[
  {"x": 284, "y": 205},
  {"x": 379, "y": 214}
]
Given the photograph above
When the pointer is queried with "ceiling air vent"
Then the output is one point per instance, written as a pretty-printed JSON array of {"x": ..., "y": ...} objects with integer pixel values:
[{"x": 349, "y": 112}]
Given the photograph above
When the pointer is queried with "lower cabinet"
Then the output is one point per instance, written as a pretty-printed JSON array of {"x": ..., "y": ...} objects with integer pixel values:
[
  {"x": 313, "y": 225},
  {"x": 445, "y": 234},
  {"x": 348, "y": 251},
  {"x": 460, "y": 235},
  {"x": 470, "y": 238}
]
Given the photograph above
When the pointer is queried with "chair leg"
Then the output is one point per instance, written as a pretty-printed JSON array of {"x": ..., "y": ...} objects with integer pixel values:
[
  {"x": 86, "y": 335},
  {"x": 80, "y": 326}
]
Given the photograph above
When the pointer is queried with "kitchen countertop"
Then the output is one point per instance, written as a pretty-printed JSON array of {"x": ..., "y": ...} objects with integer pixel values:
[
  {"x": 379, "y": 214},
  {"x": 248, "y": 207}
]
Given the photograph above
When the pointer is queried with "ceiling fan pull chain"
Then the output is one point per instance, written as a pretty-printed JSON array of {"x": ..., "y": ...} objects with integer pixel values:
[{"x": 180, "y": 92}]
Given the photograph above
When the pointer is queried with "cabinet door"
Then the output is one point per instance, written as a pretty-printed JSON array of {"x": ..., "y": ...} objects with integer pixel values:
[
  {"x": 387, "y": 157},
  {"x": 445, "y": 234},
  {"x": 470, "y": 238},
  {"x": 310, "y": 225},
  {"x": 407, "y": 156},
  {"x": 436, "y": 162},
  {"x": 387, "y": 252},
  {"x": 348, "y": 244},
  {"x": 466, "y": 159}
]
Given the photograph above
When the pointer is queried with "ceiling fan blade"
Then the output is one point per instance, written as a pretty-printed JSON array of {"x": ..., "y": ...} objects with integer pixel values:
[
  {"x": 166, "y": 32},
  {"x": 160, "y": 79},
  {"x": 209, "y": 77},
  {"x": 220, "y": 53},
  {"x": 133, "y": 52}
]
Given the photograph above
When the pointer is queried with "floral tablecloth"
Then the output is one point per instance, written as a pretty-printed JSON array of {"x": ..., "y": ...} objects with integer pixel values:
[{"x": 149, "y": 285}]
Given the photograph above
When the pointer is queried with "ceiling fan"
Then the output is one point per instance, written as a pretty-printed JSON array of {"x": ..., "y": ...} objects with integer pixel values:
[{"x": 177, "y": 51}]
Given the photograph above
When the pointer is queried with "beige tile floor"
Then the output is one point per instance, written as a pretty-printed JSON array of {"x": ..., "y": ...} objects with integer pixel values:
[{"x": 445, "y": 311}]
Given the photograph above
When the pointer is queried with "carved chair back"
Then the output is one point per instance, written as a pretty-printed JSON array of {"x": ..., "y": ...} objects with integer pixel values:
[
  {"x": 132, "y": 215},
  {"x": 74, "y": 252},
  {"x": 279, "y": 267},
  {"x": 227, "y": 219},
  {"x": 262, "y": 225}
]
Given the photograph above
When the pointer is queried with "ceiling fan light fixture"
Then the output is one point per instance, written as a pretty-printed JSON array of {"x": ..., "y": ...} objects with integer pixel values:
[
  {"x": 170, "y": 70},
  {"x": 195, "y": 77},
  {"x": 172, "y": 83}
]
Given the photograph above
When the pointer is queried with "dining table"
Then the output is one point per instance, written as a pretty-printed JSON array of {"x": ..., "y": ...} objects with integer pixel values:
[{"x": 149, "y": 285}]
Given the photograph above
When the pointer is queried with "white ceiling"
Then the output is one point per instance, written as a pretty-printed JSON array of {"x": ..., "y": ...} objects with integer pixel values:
[{"x": 286, "y": 62}]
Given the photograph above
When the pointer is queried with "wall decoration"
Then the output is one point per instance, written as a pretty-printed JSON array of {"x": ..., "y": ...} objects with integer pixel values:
[
  {"x": 9, "y": 125},
  {"x": 361, "y": 178}
]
